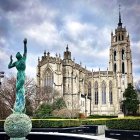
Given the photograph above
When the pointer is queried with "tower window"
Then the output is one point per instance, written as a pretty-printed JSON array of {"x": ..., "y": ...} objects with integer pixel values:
[
  {"x": 96, "y": 92},
  {"x": 122, "y": 54},
  {"x": 103, "y": 92},
  {"x": 114, "y": 55},
  {"x": 123, "y": 70},
  {"x": 119, "y": 38},
  {"x": 122, "y": 37},
  {"x": 89, "y": 89},
  {"x": 115, "y": 67},
  {"x": 110, "y": 93}
]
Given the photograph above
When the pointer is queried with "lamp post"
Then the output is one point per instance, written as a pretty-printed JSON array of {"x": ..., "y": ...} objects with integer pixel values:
[{"x": 1, "y": 76}]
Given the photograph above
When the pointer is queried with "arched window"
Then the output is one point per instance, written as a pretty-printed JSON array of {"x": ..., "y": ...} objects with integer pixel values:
[
  {"x": 122, "y": 37},
  {"x": 103, "y": 92},
  {"x": 114, "y": 55},
  {"x": 122, "y": 54},
  {"x": 119, "y": 37},
  {"x": 49, "y": 78},
  {"x": 110, "y": 93},
  {"x": 115, "y": 67},
  {"x": 96, "y": 92},
  {"x": 116, "y": 38},
  {"x": 123, "y": 69},
  {"x": 89, "y": 89}
]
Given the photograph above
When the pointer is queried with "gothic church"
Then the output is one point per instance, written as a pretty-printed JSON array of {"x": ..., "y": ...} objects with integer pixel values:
[{"x": 90, "y": 92}]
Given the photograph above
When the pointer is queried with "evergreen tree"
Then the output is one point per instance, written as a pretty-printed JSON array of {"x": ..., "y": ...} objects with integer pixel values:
[
  {"x": 59, "y": 103},
  {"x": 131, "y": 102},
  {"x": 44, "y": 111}
]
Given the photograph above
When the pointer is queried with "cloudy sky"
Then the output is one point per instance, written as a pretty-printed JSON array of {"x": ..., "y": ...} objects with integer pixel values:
[{"x": 85, "y": 25}]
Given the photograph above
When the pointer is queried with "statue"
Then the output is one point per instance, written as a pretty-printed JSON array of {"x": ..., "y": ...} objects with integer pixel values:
[
  {"x": 20, "y": 65},
  {"x": 18, "y": 125}
]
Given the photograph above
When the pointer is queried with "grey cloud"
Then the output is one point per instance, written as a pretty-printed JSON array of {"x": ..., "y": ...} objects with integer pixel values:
[
  {"x": 11, "y": 5},
  {"x": 17, "y": 16}
]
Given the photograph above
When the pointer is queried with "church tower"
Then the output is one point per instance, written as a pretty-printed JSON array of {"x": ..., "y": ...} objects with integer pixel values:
[{"x": 120, "y": 59}]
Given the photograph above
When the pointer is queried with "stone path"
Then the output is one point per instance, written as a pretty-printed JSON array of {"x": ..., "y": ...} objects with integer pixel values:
[{"x": 92, "y": 137}]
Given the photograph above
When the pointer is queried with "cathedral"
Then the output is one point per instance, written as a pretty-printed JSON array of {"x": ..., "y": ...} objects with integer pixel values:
[{"x": 90, "y": 92}]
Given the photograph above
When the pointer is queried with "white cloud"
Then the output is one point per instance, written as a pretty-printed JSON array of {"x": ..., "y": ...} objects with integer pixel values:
[
  {"x": 3, "y": 56},
  {"x": 50, "y": 25}
]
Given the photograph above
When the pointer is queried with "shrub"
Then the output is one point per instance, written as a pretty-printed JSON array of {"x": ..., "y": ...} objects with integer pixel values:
[
  {"x": 125, "y": 124},
  {"x": 59, "y": 104},
  {"x": 1, "y": 123},
  {"x": 82, "y": 115},
  {"x": 63, "y": 113},
  {"x": 101, "y": 116},
  {"x": 43, "y": 111}
]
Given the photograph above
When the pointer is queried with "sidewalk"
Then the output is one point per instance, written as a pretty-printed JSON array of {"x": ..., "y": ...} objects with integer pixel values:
[
  {"x": 102, "y": 137},
  {"x": 92, "y": 137}
]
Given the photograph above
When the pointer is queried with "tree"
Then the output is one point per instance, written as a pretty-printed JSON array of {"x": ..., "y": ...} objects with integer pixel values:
[
  {"x": 137, "y": 86},
  {"x": 131, "y": 102},
  {"x": 8, "y": 91},
  {"x": 44, "y": 95},
  {"x": 44, "y": 111},
  {"x": 59, "y": 103}
]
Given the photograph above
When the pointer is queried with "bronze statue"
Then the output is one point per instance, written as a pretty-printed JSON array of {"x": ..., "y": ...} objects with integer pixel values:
[{"x": 20, "y": 65}]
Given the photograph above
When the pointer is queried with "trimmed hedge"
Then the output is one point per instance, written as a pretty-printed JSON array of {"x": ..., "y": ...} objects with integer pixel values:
[
  {"x": 2, "y": 123},
  {"x": 124, "y": 124},
  {"x": 45, "y": 123},
  {"x": 54, "y": 123},
  {"x": 94, "y": 121}
]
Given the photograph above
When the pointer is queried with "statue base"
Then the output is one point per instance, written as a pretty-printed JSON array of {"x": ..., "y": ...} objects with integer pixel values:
[{"x": 17, "y": 126}]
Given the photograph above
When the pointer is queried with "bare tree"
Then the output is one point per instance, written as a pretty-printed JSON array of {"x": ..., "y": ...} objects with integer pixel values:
[
  {"x": 45, "y": 95},
  {"x": 8, "y": 91},
  {"x": 137, "y": 86}
]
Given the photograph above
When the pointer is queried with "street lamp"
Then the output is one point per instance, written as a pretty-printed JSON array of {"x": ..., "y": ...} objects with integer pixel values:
[{"x": 1, "y": 76}]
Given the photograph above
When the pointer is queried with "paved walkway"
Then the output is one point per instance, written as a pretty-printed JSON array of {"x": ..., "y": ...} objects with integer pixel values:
[
  {"x": 92, "y": 137},
  {"x": 102, "y": 137}
]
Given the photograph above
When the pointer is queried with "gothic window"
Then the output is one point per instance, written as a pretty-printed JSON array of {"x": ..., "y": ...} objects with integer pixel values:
[
  {"x": 96, "y": 92},
  {"x": 115, "y": 67},
  {"x": 110, "y": 93},
  {"x": 122, "y": 54},
  {"x": 114, "y": 55},
  {"x": 89, "y": 89},
  {"x": 49, "y": 78},
  {"x": 123, "y": 69},
  {"x": 122, "y": 37},
  {"x": 119, "y": 37},
  {"x": 103, "y": 92}
]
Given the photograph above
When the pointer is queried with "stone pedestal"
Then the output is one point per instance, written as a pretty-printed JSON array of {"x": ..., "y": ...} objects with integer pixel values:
[{"x": 17, "y": 126}]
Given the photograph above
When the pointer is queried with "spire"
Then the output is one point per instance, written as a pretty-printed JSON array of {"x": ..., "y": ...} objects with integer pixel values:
[
  {"x": 120, "y": 22},
  {"x": 44, "y": 53},
  {"x": 48, "y": 54},
  {"x": 67, "y": 48},
  {"x": 38, "y": 59}
]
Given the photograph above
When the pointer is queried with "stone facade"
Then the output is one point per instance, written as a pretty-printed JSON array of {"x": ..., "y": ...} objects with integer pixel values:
[{"x": 90, "y": 92}]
